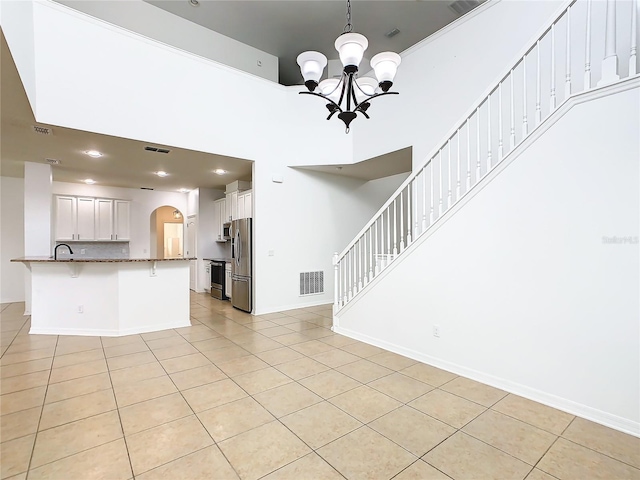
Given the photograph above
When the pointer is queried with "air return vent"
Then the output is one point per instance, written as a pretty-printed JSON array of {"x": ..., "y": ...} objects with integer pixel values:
[
  {"x": 42, "y": 130},
  {"x": 52, "y": 161},
  {"x": 311, "y": 283},
  {"x": 392, "y": 33},
  {"x": 156, "y": 149},
  {"x": 462, "y": 7}
]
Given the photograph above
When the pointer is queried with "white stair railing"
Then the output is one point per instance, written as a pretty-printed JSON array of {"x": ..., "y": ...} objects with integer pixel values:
[{"x": 556, "y": 65}]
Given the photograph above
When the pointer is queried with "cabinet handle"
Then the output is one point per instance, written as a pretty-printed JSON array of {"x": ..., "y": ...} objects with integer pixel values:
[
  {"x": 112, "y": 236},
  {"x": 116, "y": 236}
]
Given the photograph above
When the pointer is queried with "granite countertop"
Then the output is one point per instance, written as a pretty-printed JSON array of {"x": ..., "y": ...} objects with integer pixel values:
[
  {"x": 94, "y": 260},
  {"x": 226, "y": 260}
]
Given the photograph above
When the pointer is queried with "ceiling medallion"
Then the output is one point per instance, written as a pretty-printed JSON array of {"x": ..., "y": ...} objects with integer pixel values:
[{"x": 349, "y": 94}]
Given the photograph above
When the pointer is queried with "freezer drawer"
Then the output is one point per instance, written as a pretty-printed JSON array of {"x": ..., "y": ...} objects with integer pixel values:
[{"x": 241, "y": 293}]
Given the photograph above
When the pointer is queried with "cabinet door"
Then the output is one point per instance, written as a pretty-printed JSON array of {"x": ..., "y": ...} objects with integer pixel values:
[
  {"x": 219, "y": 217},
  {"x": 227, "y": 208},
  {"x": 104, "y": 219},
  {"x": 241, "y": 212},
  {"x": 122, "y": 210},
  {"x": 234, "y": 205},
  {"x": 248, "y": 206},
  {"x": 86, "y": 219},
  {"x": 65, "y": 218}
]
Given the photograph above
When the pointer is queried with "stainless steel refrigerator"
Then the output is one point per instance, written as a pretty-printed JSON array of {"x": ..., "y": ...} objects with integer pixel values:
[{"x": 241, "y": 293}]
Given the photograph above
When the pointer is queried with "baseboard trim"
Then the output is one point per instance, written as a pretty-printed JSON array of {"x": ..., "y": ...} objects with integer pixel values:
[
  {"x": 103, "y": 332},
  {"x": 584, "y": 411}
]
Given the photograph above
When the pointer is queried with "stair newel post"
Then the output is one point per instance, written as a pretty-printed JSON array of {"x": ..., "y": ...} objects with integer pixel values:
[
  {"x": 610, "y": 60},
  {"x": 440, "y": 192},
  {"x": 371, "y": 255},
  {"x": 433, "y": 198},
  {"x": 500, "y": 133},
  {"x": 489, "y": 160},
  {"x": 395, "y": 229},
  {"x": 567, "y": 79},
  {"x": 424, "y": 198},
  {"x": 538, "y": 85},
  {"x": 512, "y": 135},
  {"x": 552, "y": 105},
  {"x": 478, "y": 144},
  {"x": 336, "y": 281},
  {"x": 468, "y": 155},
  {"x": 401, "y": 220},
  {"x": 449, "y": 182},
  {"x": 633, "y": 61},
  {"x": 458, "y": 188},
  {"x": 525, "y": 123},
  {"x": 587, "y": 59}
]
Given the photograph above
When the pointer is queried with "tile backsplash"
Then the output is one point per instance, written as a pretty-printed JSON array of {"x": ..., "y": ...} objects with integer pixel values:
[{"x": 95, "y": 250}]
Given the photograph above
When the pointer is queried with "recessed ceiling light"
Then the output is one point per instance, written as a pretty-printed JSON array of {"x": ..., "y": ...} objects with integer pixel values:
[
  {"x": 93, "y": 153},
  {"x": 89, "y": 181},
  {"x": 162, "y": 173},
  {"x": 219, "y": 171},
  {"x": 184, "y": 190}
]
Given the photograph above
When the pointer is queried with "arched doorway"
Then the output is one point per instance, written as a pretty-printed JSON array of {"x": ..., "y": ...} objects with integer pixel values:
[{"x": 166, "y": 233}]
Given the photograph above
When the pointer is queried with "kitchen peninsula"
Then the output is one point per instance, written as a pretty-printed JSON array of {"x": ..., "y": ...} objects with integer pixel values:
[{"x": 107, "y": 296}]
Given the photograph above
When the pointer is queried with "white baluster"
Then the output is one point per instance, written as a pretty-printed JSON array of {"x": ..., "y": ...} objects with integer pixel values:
[
  {"x": 360, "y": 258},
  {"x": 343, "y": 266},
  {"x": 389, "y": 233},
  {"x": 432, "y": 203},
  {"x": 587, "y": 60},
  {"x": 488, "y": 134},
  {"x": 633, "y": 61},
  {"x": 401, "y": 220},
  {"x": 468, "y": 155},
  {"x": 610, "y": 60},
  {"x": 512, "y": 136},
  {"x": 409, "y": 210},
  {"x": 478, "y": 144},
  {"x": 375, "y": 247},
  {"x": 424, "y": 198},
  {"x": 355, "y": 270},
  {"x": 449, "y": 183},
  {"x": 538, "y": 85},
  {"x": 395, "y": 229},
  {"x": 349, "y": 253},
  {"x": 371, "y": 255},
  {"x": 415, "y": 207},
  {"x": 525, "y": 124},
  {"x": 336, "y": 281},
  {"x": 382, "y": 250},
  {"x": 567, "y": 80},
  {"x": 553, "y": 68},
  {"x": 440, "y": 192},
  {"x": 458, "y": 186},
  {"x": 500, "y": 141}
]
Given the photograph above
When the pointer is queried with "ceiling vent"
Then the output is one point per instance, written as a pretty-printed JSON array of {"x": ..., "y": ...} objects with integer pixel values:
[
  {"x": 156, "y": 149},
  {"x": 42, "y": 130},
  {"x": 392, "y": 33},
  {"x": 145, "y": 188},
  {"x": 52, "y": 161},
  {"x": 462, "y": 7}
]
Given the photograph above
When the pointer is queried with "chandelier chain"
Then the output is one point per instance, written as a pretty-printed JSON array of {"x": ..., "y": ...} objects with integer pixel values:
[{"x": 348, "y": 28}]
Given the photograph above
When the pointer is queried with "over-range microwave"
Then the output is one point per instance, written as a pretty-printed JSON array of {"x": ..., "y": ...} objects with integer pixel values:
[{"x": 226, "y": 231}]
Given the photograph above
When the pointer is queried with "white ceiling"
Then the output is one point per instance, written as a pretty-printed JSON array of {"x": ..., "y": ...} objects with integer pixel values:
[{"x": 285, "y": 28}]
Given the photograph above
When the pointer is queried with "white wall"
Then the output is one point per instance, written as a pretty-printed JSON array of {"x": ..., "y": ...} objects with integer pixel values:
[
  {"x": 527, "y": 295},
  {"x": 143, "y": 203},
  {"x": 165, "y": 27},
  {"x": 11, "y": 239}
]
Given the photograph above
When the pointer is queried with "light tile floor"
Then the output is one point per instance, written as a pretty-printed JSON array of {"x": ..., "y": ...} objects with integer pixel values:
[{"x": 275, "y": 396}]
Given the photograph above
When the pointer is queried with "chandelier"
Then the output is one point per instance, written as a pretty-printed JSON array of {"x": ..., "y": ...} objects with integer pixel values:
[{"x": 349, "y": 94}]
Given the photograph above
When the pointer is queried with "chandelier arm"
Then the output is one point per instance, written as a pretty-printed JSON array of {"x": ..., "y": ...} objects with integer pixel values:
[
  {"x": 353, "y": 95},
  {"x": 343, "y": 81},
  {"x": 363, "y": 113},
  {"x": 324, "y": 98},
  {"x": 376, "y": 95}
]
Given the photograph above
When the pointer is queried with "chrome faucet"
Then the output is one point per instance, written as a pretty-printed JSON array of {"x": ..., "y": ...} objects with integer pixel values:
[{"x": 55, "y": 250}]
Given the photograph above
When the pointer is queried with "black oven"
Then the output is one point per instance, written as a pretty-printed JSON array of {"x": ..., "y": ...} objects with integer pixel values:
[{"x": 217, "y": 280}]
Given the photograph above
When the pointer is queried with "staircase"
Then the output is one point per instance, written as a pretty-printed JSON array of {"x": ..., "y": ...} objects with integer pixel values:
[{"x": 579, "y": 50}]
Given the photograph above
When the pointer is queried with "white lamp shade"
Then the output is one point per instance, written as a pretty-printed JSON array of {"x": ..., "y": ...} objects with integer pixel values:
[
  {"x": 351, "y": 47},
  {"x": 329, "y": 88},
  {"x": 367, "y": 86},
  {"x": 385, "y": 65},
  {"x": 312, "y": 65}
]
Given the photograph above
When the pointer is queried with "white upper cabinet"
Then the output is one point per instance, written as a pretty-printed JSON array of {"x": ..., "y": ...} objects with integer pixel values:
[
  {"x": 245, "y": 207},
  {"x": 88, "y": 219},
  {"x": 104, "y": 219},
  {"x": 65, "y": 217},
  {"x": 122, "y": 214},
  {"x": 220, "y": 218}
]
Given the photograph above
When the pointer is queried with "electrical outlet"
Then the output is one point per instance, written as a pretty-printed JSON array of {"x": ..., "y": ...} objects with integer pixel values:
[
  {"x": 436, "y": 331},
  {"x": 83, "y": 251},
  {"x": 80, "y": 308}
]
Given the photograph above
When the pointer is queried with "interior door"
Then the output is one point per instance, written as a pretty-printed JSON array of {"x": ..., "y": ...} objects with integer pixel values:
[{"x": 192, "y": 232}]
